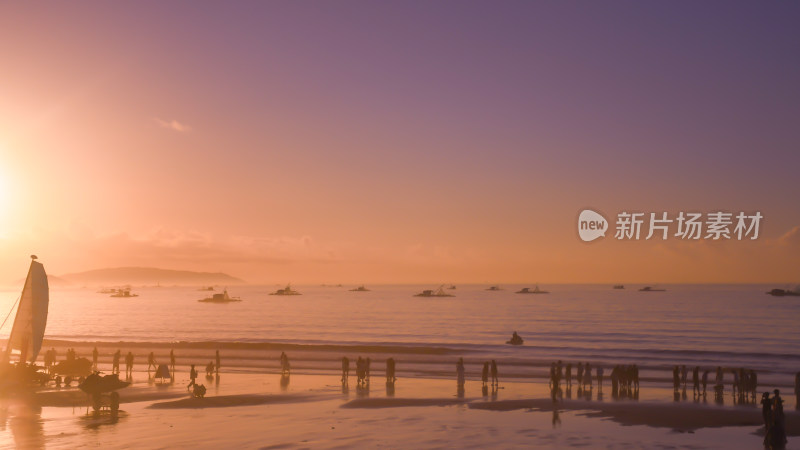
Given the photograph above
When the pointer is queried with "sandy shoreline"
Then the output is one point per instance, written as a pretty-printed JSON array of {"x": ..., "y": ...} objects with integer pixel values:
[{"x": 242, "y": 403}]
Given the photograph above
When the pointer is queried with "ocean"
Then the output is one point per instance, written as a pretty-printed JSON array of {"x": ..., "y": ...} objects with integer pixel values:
[{"x": 705, "y": 325}]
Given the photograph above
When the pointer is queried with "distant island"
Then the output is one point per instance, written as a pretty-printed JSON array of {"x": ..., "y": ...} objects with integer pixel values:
[{"x": 146, "y": 276}]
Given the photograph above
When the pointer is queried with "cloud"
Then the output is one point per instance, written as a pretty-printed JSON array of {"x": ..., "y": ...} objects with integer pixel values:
[
  {"x": 173, "y": 125},
  {"x": 791, "y": 237}
]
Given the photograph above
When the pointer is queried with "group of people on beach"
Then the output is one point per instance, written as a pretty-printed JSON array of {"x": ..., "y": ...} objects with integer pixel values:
[
  {"x": 363, "y": 366},
  {"x": 745, "y": 381}
]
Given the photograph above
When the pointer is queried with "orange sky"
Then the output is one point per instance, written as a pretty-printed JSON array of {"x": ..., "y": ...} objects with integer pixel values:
[{"x": 352, "y": 150}]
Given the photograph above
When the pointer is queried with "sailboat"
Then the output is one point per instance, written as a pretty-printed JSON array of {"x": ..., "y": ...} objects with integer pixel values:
[{"x": 27, "y": 333}]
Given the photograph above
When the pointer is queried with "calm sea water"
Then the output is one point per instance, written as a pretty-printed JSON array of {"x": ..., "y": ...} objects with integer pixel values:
[{"x": 708, "y": 325}]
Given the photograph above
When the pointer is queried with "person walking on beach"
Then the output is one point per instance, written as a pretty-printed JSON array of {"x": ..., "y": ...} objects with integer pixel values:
[
  {"x": 95, "y": 354},
  {"x": 115, "y": 362},
  {"x": 460, "y": 372},
  {"x": 129, "y": 364},
  {"x": 495, "y": 381},
  {"x": 485, "y": 373},
  {"x": 192, "y": 377},
  {"x": 345, "y": 369},
  {"x": 218, "y": 363},
  {"x": 151, "y": 361}
]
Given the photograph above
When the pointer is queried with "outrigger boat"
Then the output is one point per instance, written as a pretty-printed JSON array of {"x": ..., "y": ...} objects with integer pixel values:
[
  {"x": 220, "y": 298},
  {"x": 437, "y": 293},
  {"x": 535, "y": 290},
  {"x": 286, "y": 291}
]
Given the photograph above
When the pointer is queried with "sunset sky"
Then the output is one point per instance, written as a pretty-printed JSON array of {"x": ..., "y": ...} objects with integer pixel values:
[{"x": 372, "y": 142}]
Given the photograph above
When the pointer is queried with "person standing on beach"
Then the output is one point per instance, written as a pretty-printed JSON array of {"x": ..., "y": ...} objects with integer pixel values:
[
  {"x": 676, "y": 378},
  {"x": 495, "y": 381},
  {"x": 460, "y": 372},
  {"x": 797, "y": 390},
  {"x": 600, "y": 378},
  {"x": 345, "y": 369},
  {"x": 218, "y": 362},
  {"x": 485, "y": 373},
  {"x": 390, "y": 378},
  {"x": 705, "y": 381},
  {"x": 115, "y": 362},
  {"x": 129, "y": 364},
  {"x": 95, "y": 354},
  {"x": 684, "y": 374},
  {"x": 568, "y": 382}
]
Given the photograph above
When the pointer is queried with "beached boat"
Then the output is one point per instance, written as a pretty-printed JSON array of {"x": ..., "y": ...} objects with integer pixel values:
[
  {"x": 220, "y": 298},
  {"x": 434, "y": 293},
  {"x": 123, "y": 293},
  {"x": 360, "y": 289},
  {"x": 27, "y": 331},
  {"x": 535, "y": 290},
  {"x": 285, "y": 291},
  {"x": 784, "y": 293},
  {"x": 651, "y": 289}
]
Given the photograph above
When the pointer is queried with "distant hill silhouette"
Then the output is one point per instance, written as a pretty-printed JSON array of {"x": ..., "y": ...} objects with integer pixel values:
[{"x": 147, "y": 276}]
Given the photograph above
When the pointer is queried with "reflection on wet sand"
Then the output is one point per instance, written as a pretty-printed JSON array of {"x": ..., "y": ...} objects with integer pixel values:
[{"x": 25, "y": 420}]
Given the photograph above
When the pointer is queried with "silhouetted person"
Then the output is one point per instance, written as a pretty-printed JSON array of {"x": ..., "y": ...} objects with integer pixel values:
[
  {"x": 192, "y": 376},
  {"x": 705, "y": 381},
  {"x": 115, "y": 362},
  {"x": 129, "y": 364},
  {"x": 345, "y": 369},
  {"x": 460, "y": 373},
  {"x": 569, "y": 375},
  {"x": 95, "y": 354},
  {"x": 218, "y": 362},
  {"x": 151, "y": 361},
  {"x": 485, "y": 373},
  {"x": 676, "y": 378},
  {"x": 390, "y": 366},
  {"x": 495, "y": 381},
  {"x": 600, "y": 378}
]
